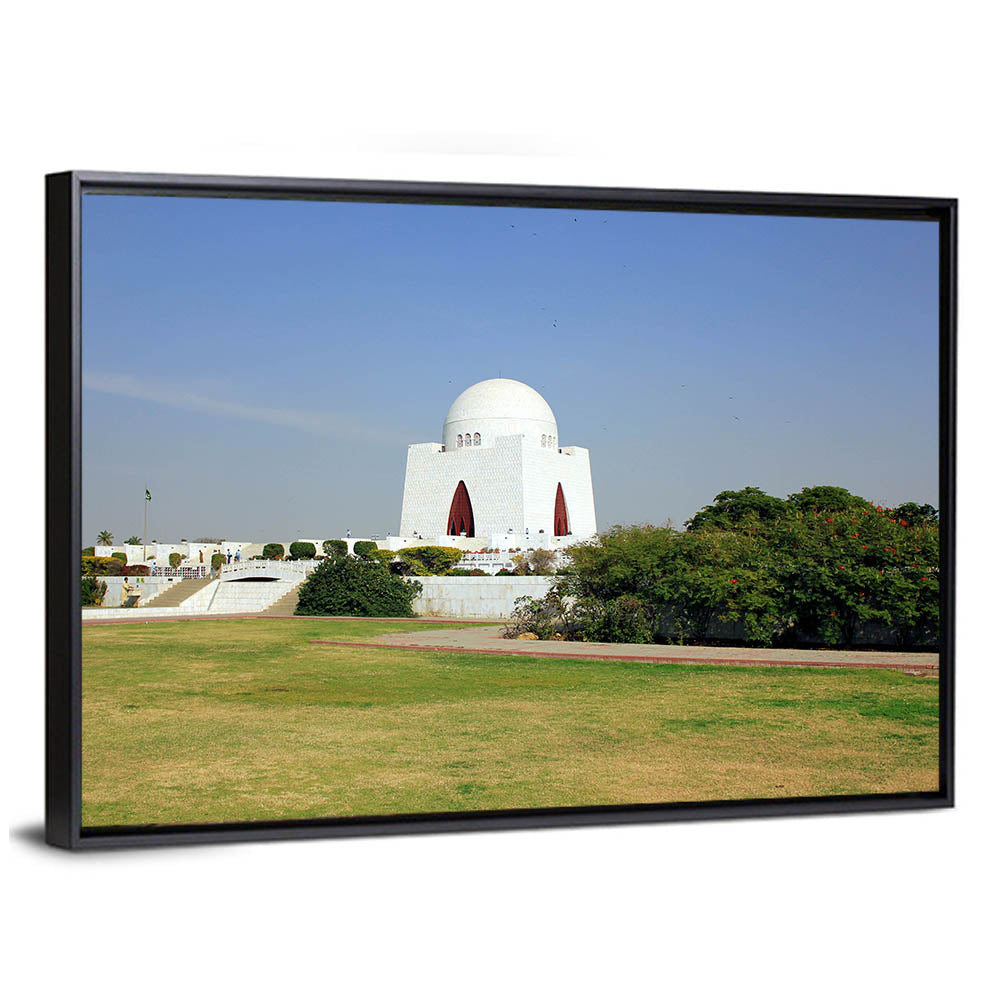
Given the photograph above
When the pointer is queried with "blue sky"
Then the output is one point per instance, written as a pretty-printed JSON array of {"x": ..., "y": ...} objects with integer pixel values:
[{"x": 262, "y": 365}]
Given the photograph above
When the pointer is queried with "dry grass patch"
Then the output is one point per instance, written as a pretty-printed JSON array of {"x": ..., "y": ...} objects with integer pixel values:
[{"x": 222, "y": 721}]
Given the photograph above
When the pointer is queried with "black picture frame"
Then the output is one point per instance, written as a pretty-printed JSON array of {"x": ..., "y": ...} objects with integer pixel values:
[{"x": 64, "y": 194}]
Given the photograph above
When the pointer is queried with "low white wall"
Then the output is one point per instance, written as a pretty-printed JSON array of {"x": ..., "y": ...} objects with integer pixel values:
[
  {"x": 140, "y": 614},
  {"x": 214, "y": 598},
  {"x": 476, "y": 596},
  {"x": 486, "y": 597}
]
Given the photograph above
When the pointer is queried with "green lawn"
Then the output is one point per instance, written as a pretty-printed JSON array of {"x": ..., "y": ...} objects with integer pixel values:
[{"x": 221, "y": 721}]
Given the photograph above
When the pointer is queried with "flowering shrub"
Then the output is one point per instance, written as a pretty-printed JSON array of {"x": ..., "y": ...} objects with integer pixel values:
[
  {"x": 807, "y": 572},
  {"x": 100, "y": 566}
]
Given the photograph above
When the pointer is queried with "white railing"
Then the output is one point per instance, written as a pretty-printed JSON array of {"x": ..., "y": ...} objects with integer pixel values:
[
  {"x": 282, "y": 569},
  {"x": 181, "y": 572},
  {"x": 488, "y": 562}
]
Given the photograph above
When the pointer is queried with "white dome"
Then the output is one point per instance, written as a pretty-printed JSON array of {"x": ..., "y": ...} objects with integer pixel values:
[{"x": 500, "y": 407}]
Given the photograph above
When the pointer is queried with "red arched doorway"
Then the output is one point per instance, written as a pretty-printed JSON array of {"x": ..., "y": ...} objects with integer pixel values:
[
  {"x": 561, "y": 518},
  {"x": 460, "y": 517}
]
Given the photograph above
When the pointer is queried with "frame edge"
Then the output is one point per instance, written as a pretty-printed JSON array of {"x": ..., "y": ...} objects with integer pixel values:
[{"x": 62, "y": 497}]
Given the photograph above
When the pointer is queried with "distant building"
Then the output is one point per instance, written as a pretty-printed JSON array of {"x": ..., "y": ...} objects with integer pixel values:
[{"x": 499, "y": 476}]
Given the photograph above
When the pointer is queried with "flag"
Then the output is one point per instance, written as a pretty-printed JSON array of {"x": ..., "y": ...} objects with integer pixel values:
[{"x": 148, "y": 497}]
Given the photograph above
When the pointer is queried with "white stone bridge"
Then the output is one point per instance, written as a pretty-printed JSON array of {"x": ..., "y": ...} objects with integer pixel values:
[{"x": 293, "y": 570}]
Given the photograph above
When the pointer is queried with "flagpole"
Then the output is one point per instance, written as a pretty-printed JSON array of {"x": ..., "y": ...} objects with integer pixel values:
[{"x": 145, "y": 508}]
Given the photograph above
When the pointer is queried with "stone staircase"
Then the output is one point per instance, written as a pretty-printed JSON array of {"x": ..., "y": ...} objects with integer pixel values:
[
  {"x": 283, "y": 606},
  {"x": 180, "y": 591}
]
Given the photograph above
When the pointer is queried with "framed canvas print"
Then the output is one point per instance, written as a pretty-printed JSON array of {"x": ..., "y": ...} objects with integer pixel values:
[{"x": 392, "y": 507}]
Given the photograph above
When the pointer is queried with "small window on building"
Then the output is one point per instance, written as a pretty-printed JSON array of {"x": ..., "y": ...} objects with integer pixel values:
[
  {"x": 476, "y": 439},
  {"x": 468, "y": 439},
  {"x": 459, "y": 440}
]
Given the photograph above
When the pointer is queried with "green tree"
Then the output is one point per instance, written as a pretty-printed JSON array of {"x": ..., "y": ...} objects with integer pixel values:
[
  {"x": 334, "y": 548},
  {"x": 364, "y": 587},
  {"x": 843, "y": 569},
  {"x": 623, "y": 560},
  {"x": 916, "y": 514},
  {"x": 731, "y": 507},
  {"x": 302, "y": 550},
  {"x": 133, "y": 540},
  {"x": 175, "y": 559},
  {"x": 827, "y": 498},
  {"x": 120, "y": 556},
  {"x": 273, "y": 550},
  {"x": 105, "y": 537},
  {"x": 429, "y": 560},
  {"x": 365, "y": 550},
  {"x": 824, "y": 573}
]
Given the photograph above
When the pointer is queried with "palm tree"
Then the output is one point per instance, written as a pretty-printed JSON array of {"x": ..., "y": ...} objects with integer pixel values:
[
  {"x": 132, "y": 540},
  {"x": 105, "y": 537}
]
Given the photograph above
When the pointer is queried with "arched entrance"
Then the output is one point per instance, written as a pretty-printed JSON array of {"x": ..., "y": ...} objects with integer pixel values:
[
  {"x": 561, "y": 517},
  {"x": 460, "y": 519}
]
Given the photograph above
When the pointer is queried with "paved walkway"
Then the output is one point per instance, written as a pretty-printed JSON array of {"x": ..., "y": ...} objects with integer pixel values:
[
  {"x": 487, "y": 639},
  {"x": 479, "y": 638}
]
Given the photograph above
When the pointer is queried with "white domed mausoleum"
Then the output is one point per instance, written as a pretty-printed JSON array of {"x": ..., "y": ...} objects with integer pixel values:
[{"x": 499, "y": 476}]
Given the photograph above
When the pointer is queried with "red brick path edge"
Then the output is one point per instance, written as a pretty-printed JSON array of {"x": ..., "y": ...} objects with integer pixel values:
[{"x": 914, "y": 668}]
